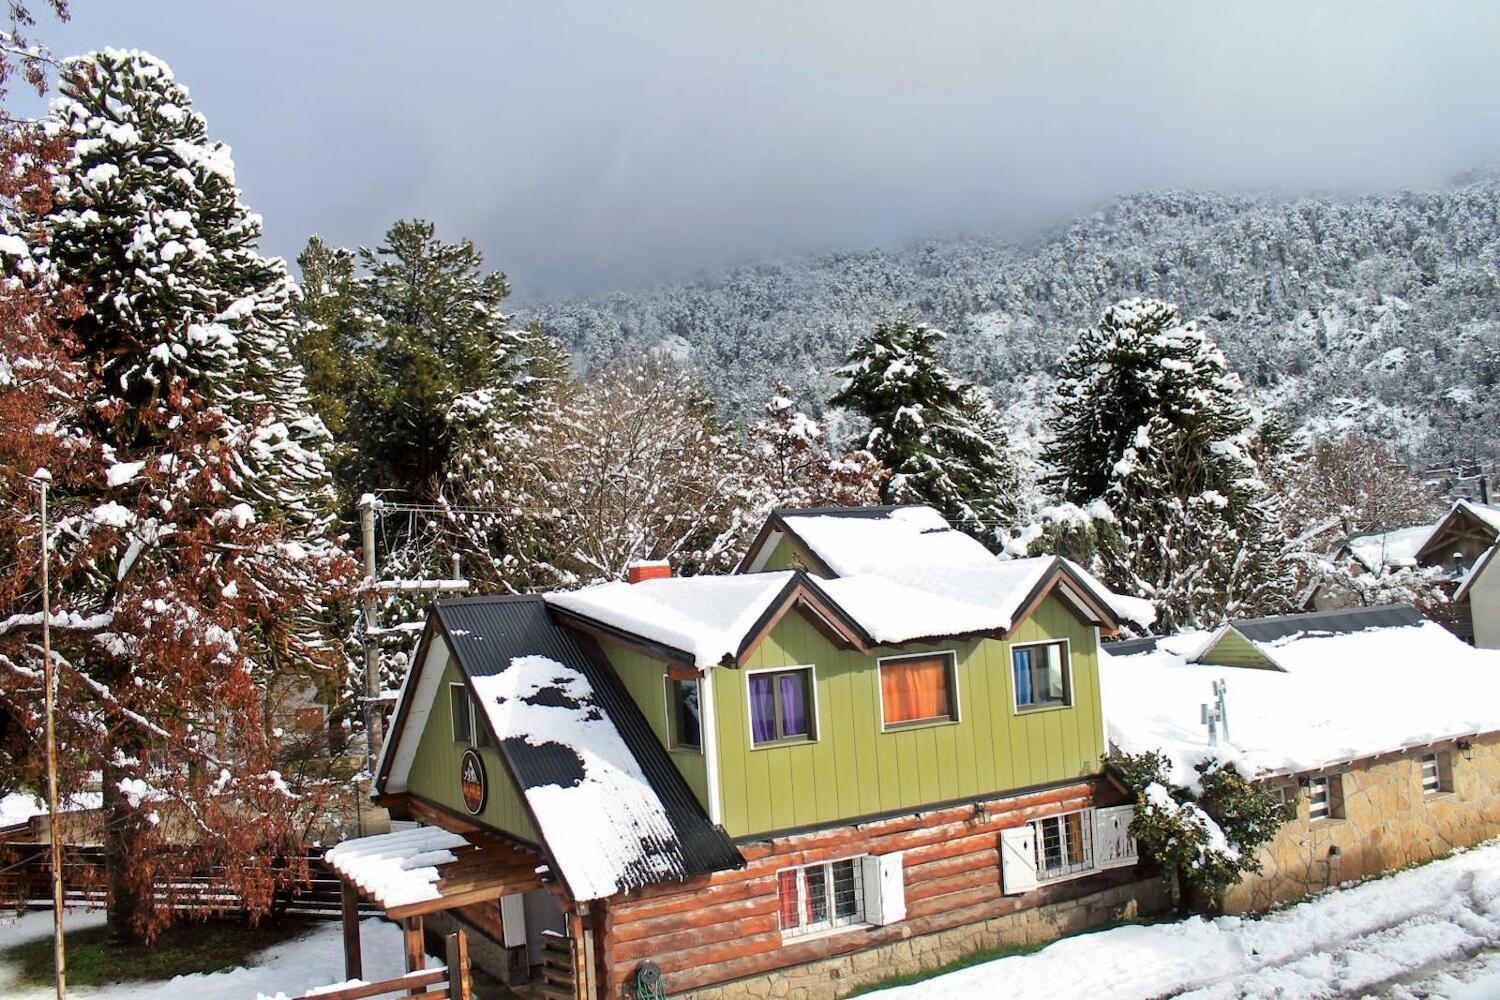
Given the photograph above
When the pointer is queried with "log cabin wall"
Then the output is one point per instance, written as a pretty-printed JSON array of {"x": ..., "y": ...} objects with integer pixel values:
[{"x": 725, "y": 928}]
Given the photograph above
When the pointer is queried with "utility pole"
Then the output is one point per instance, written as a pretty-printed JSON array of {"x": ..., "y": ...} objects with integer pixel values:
[
  {"x": 367, "y": 505},
  {"x": 49, "y": 681}
]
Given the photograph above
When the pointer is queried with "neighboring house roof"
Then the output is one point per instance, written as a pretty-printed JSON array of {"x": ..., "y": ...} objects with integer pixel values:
[
  {"x": 713, "y": 620},
  {"x": 1389, "y": 549},
  {"x": 847, "y": 541},
  {"x": 613, "y": 811},
  {"x": 1484, "y": 517},
  {"x": 1350, "y": 686},
  {"x": 1483, "y": 563}
]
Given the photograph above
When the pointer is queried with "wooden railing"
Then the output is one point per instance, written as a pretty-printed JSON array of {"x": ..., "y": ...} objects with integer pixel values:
[
  {"x": 26, "y": 881},
  {"x": 453, "y": 980}
]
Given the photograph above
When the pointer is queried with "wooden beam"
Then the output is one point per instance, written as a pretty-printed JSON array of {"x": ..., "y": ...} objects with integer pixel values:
[
  {"x": 349, "y": 916},
  {"x": 459, "y": 983},
  {"x": 416, "y": 950}
]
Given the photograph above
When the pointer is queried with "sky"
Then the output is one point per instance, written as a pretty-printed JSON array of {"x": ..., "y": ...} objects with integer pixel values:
[{"x": 589, "y": 146}]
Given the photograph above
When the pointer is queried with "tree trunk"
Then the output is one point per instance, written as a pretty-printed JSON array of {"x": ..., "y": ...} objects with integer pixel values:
[{"x": 128, "y": 907}]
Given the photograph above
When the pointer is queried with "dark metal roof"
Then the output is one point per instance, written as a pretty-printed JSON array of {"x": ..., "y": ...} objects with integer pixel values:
[
  {"x": 882, "y": 510},
  {"x": 1343, "y": 621},
  {"x": 1130, "y": 647},
  {"x": 487, "y": 633}
]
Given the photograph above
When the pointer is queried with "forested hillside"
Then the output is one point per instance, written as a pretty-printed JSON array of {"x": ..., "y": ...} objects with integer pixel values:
[{"x": 1378, "y": 312}]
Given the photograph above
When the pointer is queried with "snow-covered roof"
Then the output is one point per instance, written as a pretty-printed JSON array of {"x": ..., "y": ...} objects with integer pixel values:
[
  {"x": 855, "y": 540},
  {"x": 706, "y": 617},
  {"x": 399, "y": 868},
  {"x": 1338, "y": 697},
  {"x": 608, "y": 821},
  {"x": 1392, "y": 549},
  {"x": 1487, "y": 513}
]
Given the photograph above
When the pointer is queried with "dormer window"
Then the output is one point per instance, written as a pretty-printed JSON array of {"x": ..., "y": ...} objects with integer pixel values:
[{"x": 1041, "y": 672}]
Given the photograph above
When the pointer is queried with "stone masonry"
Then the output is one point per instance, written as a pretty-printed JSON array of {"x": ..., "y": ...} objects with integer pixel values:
[{"x": 1387, "y": 823}]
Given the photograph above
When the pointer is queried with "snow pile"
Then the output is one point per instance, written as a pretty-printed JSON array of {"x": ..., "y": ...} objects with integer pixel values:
[
  {"x": 397, "y": 869},
  {"x": 18, "y": 807},
  {"x": 705, "y": 616},
  {"x": 1350, "y": 942},
  {"x": 907, "y": 536},
  {"x": 1392, "y": 548},
  {"x": 602, "y": 821},
  {"x": 1339, "y": 697}
]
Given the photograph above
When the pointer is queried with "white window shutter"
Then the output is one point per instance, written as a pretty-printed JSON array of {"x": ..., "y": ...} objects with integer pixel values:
[
  {"x": 1018, "y": 859},
  {"x": 884, "y": 888},
  {"x": 1114, "y": 847},
  {"x": 513, "y": 919}
]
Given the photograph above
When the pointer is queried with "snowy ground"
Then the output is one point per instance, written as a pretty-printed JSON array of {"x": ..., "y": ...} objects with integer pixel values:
[
  {"x": 1430, "y": 932},
  {"x": 291, "y": 968}
]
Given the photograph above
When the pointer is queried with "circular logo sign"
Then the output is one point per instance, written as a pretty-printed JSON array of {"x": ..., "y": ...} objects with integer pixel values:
[{"x": 472, "y": 781}]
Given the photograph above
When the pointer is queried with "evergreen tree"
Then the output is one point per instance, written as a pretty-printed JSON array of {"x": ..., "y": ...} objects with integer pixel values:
[
  {"x": 1150, "y": 421},
  {"x": 195, "y": 554},
  {"x": 939, "y": 436}
]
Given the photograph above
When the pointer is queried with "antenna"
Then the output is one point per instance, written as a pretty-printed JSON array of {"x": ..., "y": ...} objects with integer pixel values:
[{"x": 1216, "y": 716}]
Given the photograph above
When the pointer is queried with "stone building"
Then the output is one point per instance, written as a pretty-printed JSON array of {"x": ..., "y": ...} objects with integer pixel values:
[{"x": 1380, "y": 727}]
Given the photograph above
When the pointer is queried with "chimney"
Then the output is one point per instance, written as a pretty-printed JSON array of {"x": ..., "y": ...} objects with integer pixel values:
[{"x": 648, "y": 569}]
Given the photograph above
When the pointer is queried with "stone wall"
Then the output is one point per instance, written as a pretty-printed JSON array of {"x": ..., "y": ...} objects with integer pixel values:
[
  {"x": 831, "y": 978},
  {"x": 1387, "y": 823}
]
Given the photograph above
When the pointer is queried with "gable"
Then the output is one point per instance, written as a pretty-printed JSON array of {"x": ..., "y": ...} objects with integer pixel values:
[
  {"x": 1462, "y": 532},
  {"x": 1232, "y": 649}
]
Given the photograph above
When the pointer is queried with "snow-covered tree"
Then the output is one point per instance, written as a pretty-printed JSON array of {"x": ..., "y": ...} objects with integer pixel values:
[
  {"x": 790, "y": 461},
  {"x": 193, "y": 553},
  {"x": 1151, "y": 424},
  {"x": 1352, "y": 484},
  {"x": 1206, "y": 832},
  {"x": 938, "y": 435}
]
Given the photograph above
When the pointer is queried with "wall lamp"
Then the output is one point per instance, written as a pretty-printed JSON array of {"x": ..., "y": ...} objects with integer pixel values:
[{"x": 1466, "y": 748}]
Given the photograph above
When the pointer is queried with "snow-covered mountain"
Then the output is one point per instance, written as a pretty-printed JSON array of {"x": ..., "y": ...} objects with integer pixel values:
[{"x": 1380, "y": 312}]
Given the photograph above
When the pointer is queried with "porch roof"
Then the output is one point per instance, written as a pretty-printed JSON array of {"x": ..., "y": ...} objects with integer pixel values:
[{"x": 411, "y": 872}]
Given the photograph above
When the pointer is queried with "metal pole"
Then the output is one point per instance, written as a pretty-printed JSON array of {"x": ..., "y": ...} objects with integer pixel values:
[
  {"x": 372, "y": 645},
  {"x": 49, "y": 681}
]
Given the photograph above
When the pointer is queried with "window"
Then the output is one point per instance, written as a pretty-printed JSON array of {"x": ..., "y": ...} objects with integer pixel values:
[
  {"x": 821, "y": 897},
  {"x": 1437, "y": 773},
  {"x": 781, "y": 706},
  {"x": 1325, "y": 798},
  {"x": 1041, "y": 674},
  {"x": 1289, "y": 802},
  {"x": 1064, "y": 845},
  {"x": 462, "y": 712},
  {"x": 684, "y": 716},
  {"x": 918, "y": 689}
]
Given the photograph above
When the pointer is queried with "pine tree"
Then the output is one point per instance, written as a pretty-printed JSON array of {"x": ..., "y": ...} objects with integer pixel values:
[
  {"x": 195, "y": 556},
  {"x": 1150, "y": 421},
  {"x": 939, "y": 436}
]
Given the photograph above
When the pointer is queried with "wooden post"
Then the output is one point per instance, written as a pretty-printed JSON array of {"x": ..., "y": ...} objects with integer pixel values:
[
  {"x": 416, "y": 951},
  {"x": 459, "y": 983},
  {"x": 349, "y": 915}
]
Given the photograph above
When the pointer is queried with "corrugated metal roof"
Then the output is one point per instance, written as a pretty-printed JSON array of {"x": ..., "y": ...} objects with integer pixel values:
[
  {"x": 1129, "y": 647},
  {"x": 1340, "y": 622},
  {"x": 879, "y": 510},
  {"x": 487, "y": 633}
]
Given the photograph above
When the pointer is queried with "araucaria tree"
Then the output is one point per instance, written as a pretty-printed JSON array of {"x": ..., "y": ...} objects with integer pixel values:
[
  {"x": 1204, "y": 833},
  {"x": 1152, "y": 434},
  {"x": 191, "y": 546},
  {"x": 939, "y": 437}
]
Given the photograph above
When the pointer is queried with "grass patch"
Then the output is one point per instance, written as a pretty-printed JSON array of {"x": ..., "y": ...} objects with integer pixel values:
[{"x": 211, "y": 946}]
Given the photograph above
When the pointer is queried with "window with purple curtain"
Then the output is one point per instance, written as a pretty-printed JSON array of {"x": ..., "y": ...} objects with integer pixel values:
[{"x": 779, "y": 707}]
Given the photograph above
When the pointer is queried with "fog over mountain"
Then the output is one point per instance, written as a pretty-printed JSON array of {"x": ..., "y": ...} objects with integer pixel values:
[{"x": 1380, "y": 312}]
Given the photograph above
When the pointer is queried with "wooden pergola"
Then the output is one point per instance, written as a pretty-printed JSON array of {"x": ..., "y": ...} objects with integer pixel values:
[{"x": 410, "y": 874}]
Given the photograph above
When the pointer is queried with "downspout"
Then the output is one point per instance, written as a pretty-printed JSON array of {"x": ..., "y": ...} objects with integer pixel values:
[{"x": 709, "y": 721}]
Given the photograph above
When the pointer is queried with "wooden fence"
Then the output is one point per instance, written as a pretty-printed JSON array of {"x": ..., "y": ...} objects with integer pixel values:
[
  {"x": 453, "y": 981},
  {"x": 26, "y": 882}
]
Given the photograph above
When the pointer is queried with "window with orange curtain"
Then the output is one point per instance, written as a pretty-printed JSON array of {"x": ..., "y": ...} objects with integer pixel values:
[{"x": 917, "y": 689}]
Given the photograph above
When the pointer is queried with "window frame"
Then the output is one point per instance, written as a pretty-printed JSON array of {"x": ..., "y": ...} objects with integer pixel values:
[
  {"x": 1333, "y": 801},
  {"x": 1046, "y": 706},
  {"x": 806, "y": 930},
  {"x": 814, "y": 727},
  {"x": 674, "y": 739},
  {"x": 467, "y": 738},
  {"x": 1090, "y": 863},
  {"x": 954, "y": 715},
  {"x": 1442, "y": 768}
]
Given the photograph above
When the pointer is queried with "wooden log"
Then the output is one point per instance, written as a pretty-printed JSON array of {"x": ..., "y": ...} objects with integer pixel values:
[
  {"x": 943, "y": 867},
  {"x": 675, "y": 946},
  {"x": 416, "y": 951},
  {"x": 626, "y": 929},
  {"x": 745, "y": 886},
  {"x": 349, "y": 917},
  {"x": 460, "y": 984}
]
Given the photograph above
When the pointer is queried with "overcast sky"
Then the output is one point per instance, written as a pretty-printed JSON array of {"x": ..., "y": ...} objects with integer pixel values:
[{"x": 589, "y": 145}]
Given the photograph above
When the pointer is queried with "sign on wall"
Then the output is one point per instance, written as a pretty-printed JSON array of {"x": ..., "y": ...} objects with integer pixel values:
[{"x": 473, "y": 782}]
